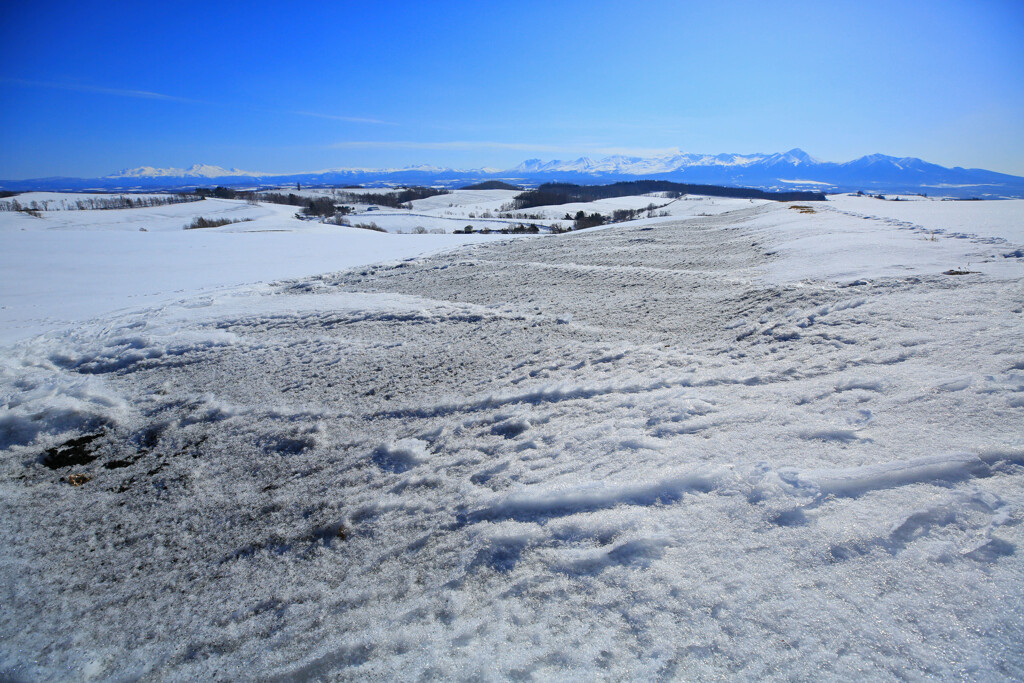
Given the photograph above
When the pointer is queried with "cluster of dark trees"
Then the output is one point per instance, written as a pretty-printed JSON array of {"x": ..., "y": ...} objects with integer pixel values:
[
  {"x": 203, "y": 222},
  {"x": 520, "y": 229},
  {"x": 492, "y": 185},
  {"x": 311, "y": 206},
  {"x": 582, "y": 221},
  {"x": 324, "y": 206},
  {"x": 220, "y": 193},
  {"x": 622, "y": 215},
  {"x": 290, "y": 199},
  {"x": 565, "y": 193}
]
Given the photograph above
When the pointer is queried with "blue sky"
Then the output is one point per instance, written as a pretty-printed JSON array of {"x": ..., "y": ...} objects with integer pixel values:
[{"x": 91, "y": 88}]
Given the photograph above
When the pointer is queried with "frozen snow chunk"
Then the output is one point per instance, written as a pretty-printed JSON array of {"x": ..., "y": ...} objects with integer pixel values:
[
  {"x": 954, "y": 385},
  {"x": 572, "y": 498},
  {"x": 638, "y": 553},
  {"x": 734, "y": 323},
  {"x": 211, "y": 410},
  {"x": 858, "y": 383},
  {"x": 843, "y": 435},
  {"x": 401, "y": 455},
  {"x": 785, "y": 333},
  {"x": 637, "y": 443},
  {"x": 856, "y": 481},
  {"x": 849, "y": 303}
]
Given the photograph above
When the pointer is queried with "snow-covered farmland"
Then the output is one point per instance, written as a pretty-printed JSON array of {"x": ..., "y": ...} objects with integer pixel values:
[
  {"x": 69, "y": 266},
  {"x": 688, "y": 206},
  {"x": 490, "y": 209},
  {"x": 773, "y": 443},
  {"x": 64, "y": 201},
  {"x": 962, "y": 219},
  {"x": 463, "y": 202}
]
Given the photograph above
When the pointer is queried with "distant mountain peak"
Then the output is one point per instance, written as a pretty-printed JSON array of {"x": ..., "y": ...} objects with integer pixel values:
[{"x": 799, "y": 155}]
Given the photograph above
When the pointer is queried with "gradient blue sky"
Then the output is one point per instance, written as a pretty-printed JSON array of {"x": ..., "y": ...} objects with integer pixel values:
[{"x": 90, "y": 88}]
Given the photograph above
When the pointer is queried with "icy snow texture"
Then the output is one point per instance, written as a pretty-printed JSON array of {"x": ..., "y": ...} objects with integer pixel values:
[{"x": 697, "y": 449}]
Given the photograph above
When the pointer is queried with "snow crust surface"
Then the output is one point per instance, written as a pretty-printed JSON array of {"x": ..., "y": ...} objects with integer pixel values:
[{"x": 767, "y": 444}]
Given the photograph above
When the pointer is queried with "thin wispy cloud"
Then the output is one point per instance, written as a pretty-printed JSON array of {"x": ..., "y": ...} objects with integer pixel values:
[
  {"x": 472, "y": 145},
  {"x": 117, "y": 92},
  {"x": 444, "y": 145},
  {"x": 637, "y": 151},
  {"x": 347, "y": 119},
  {"x": 150, "y": 95}
]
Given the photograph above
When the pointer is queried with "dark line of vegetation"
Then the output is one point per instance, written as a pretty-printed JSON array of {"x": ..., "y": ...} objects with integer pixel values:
[
  {"x": 201, "y": 222},
  {"x": 492, "y": 185},
  {"x": 100, "y": 203},
  {"x": 394, "y": 200},
  {"x": 319, "y": 206},
  {"x": 340, "y": 220},
  {"x": 565, "y": 193},
  {"x": 518, "y": 229}
]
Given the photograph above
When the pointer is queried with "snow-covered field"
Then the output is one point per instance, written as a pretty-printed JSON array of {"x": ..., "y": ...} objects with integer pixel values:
[
  {"x": 69, "y": 266},
  {"x": 766, "y": 444},
  {"x": 481, "y": 209}
]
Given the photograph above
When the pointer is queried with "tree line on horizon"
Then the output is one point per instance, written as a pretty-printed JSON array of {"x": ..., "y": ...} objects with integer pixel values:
[{"x": 566, "y": 193}]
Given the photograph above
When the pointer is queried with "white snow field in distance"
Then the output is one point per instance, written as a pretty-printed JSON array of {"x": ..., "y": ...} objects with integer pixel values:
[{"x": 781, "y": 442}]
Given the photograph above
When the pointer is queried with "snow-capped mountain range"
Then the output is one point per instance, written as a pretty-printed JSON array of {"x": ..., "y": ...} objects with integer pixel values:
[
  {"x": 791, "y": 170},
  {"x": 194, "y": 171},
  {"x": 666, "y": 163}
]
